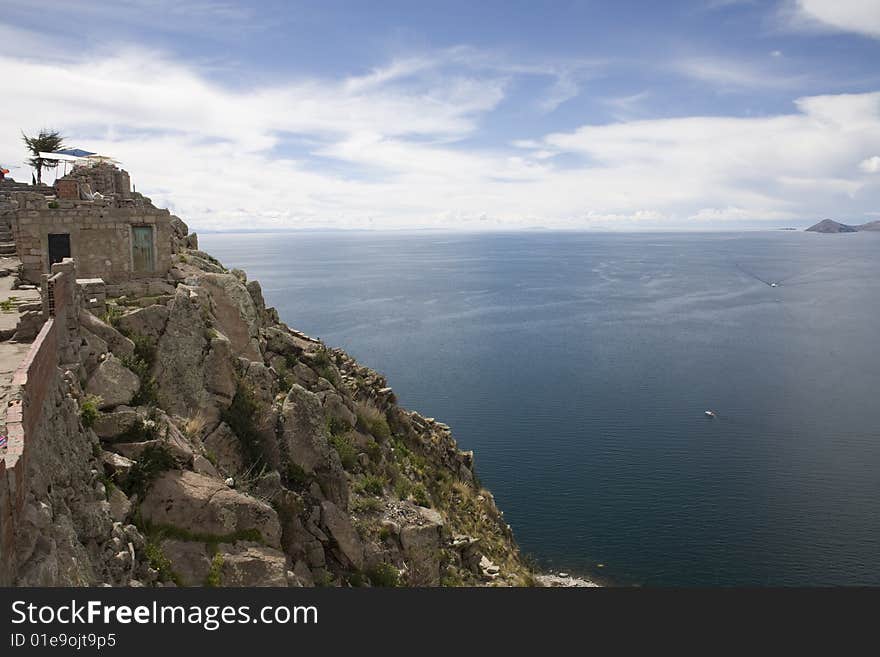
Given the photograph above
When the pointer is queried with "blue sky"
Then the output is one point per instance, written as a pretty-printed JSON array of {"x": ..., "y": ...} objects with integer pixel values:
[{"x": 710, "y": 114}]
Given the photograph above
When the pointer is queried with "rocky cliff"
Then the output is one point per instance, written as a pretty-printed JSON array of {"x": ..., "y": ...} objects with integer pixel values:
[{"x": 198, "y": 440}]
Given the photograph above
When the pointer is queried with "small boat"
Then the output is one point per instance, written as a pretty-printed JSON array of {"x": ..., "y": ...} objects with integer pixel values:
[
  {"x": 709, "y": 413},
  {"x": 774, "y": 284}
]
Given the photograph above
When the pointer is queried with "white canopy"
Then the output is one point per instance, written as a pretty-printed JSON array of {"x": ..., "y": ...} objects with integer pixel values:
[{"x": 60, "y": 156}]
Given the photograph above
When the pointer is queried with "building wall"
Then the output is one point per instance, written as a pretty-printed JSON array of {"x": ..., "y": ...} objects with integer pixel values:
[{"x": 100, "y": 236}]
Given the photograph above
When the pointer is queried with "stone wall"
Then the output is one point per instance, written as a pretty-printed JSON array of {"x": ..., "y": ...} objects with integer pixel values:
[
  {"x": 35, "y": 379},
  {"x": 100, "y": 236}
]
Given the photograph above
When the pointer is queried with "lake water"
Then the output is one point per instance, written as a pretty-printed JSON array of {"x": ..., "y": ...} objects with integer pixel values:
[{"x": 578, "y": 367}]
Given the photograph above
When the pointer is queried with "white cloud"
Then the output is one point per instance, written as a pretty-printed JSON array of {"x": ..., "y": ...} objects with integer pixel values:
[
  {"x": 732, "y": 74},
  {"x": 871, "y": 164},
  {"x": 860, "y": 16},
  {"x": 393, "y": 148}
]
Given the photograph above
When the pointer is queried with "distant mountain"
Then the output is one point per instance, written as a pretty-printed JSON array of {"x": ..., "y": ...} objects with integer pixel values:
[
  {"x": 831, "y": 226},
  {"x": 871, "y": 225}
]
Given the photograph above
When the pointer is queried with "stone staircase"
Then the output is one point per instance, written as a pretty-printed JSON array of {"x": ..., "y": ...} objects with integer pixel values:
[
  {"x": 7, "y": 242},
  {"x": 12, "y": 186}
]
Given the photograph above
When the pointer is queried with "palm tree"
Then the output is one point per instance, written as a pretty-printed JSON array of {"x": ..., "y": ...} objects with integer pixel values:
[{"x": 48, "y": 141}]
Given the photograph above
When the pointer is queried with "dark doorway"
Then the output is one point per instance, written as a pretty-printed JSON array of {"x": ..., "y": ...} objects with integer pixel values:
[{"x": 59, "y": 247}]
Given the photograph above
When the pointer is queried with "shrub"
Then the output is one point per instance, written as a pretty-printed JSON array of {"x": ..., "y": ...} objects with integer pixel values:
[
  {"x": 160, "y": 562},
  {"x": 154, "y": 460},
  {"x": 374, "y": 451},
  {"x": 241, "y": 418},
  {"x": 88, "y": 411},
  {"x": 323, "y": 365},
  {"x": 213, "y": 578},
  {"x": 372, "y": 420},
  {"x": 141, "y": 363},
  {"x": 53, "y": 205},
  {"x": 420, "y": 496},
  {"x": 112, "y": 315},
  {"x": 403, "y": 488},
  {"x": 297, "y": 478},
  {"x": 346, "y": 449},
  {"x": 366, "y": 505},
  {"x": 140, "y": 431},
  {"x": 373, "y": 485},
  {"x": 384, "y": 574}
]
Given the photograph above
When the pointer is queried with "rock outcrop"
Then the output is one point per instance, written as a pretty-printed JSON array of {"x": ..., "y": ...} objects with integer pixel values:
[{"x": 232, "y": 450}]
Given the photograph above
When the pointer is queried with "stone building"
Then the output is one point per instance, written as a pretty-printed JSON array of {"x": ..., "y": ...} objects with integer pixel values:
[{"x": 113, "y": 233}]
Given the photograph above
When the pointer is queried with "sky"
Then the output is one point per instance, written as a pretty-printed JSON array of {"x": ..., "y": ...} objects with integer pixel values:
[{"x": 565, "y": 114}]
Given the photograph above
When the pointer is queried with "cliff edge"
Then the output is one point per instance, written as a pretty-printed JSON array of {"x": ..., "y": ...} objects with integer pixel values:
[{"x": 192, "y": 438}]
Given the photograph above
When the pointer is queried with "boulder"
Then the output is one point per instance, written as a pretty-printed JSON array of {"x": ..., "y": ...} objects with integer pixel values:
[
  {"x": 336, "y": 410},
  {"x": 93, "y": 347},
  {"x": 349, "y": 549},
  {"x": 120, "y": 507},
  {"x": 181, "y": 452},
  {"x": 180, "y": 356},
  {"x": 116, "y": 342},
  {"x": 201, "y": 465},
  {"x": 190, "y": 560},
  {"x": 149, "y": 321},
  {"x": 421, "y": 543},
  {"x": 305, "y": 438},
  {"x": 245, "y": 565},
  {"x": 110, "y": 425},
  {"x": 225, "y": 449},
  {"x": 237, "y": 316},
  {"x": 204, "y": 506},
  {"x": 283, "y": 342},
  {"x": 116, "y": 466},
  {"x": 305, "y": 375},
  {"x": 114, "y": 383},
  {"x": 219, "y": 370}
]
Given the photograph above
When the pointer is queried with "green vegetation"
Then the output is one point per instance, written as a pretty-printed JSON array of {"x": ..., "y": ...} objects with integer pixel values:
[
  {"x": 46, "y": 141},
  {"x": 420, "y": 496},
  {"x": 297, "y": 478},
  {"x": 140, "y": 431},
  {"x": 403, "y": 488},
  {"x": 213, "y": 578},
  {"x": 323, "y": 365},
  {"x": 384, "y": 574},
  {"x": 112, "y": 315},
  {"x": 345, "y": 447},
  {"x": 374, "y": 451},
  {"x": 372, "y": 484},
  {"x": 241, "y": 418},
  {"x": 160, "y": 562},
  {"x": 53, "y": 205},
  {"x": 141, "y": 363},
  {"x": 366, "y": 505},
  {"x": 154, "y": 460},
  {"x": 373, "y": 421},
  {"x": 8, "y": 305},
  {"x": 88, "y": 411}
]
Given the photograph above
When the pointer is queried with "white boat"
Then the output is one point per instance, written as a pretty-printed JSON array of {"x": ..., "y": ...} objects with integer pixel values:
[{"x": 709, "y": 413}]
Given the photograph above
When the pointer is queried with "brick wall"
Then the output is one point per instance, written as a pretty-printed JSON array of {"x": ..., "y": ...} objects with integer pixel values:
[
  {"x": 34, "y": 379},
  {"x": 36, "y": 376}
]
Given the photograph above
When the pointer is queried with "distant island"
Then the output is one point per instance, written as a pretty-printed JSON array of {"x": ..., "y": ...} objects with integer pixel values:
[{"x": 831, "y": 226}]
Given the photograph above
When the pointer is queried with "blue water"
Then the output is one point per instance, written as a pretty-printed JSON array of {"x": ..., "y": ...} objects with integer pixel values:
[{"x": 578, "y": 367}]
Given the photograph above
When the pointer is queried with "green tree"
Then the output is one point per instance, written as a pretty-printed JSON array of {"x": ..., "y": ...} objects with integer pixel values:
[{"x": 48, "y": 141}]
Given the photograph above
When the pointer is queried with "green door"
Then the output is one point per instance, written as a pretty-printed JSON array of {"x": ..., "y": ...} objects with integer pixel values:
[{"x": 142, "y": 248}]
